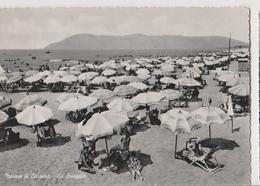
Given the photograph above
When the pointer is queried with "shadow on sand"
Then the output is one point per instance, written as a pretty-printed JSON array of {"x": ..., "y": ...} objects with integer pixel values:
[
  {"x": 13, "y": 145},
  {"x": 219, "y": 143},
  {"x": 122, "y": 166},
  {"x": 58, "y": 141}
]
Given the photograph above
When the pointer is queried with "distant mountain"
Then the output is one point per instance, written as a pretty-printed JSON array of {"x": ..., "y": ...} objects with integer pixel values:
[{"x": 141, "y": 42}]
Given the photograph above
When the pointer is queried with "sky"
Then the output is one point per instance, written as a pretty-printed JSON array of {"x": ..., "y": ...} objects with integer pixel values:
[{"x": 36, "y": 28}]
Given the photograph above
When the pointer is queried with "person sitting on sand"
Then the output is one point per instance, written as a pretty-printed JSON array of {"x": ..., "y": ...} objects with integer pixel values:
[{"x": 85, "y": 162}]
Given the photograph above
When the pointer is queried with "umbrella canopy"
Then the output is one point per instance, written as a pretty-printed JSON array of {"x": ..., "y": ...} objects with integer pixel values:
[
  {"x": 65, "y": 96},
  {"x": 33, "y": 78},
  {"x": 69, "y": 78},
  {"x": 102, "y": 93},
  {"x": 3, "y": 117},
  {"x": 52, "y": 78},
  {"x": 238, "y": 80},
  {"x": 210, "y": 115},
  {"x": 34, "y": 114},
  {"x": 187, "y": 82},
  {"x": 167, "y": 80},
  {"x": 132, "y": 79},
  {"x": 31, "y": 72},
  {"x": 87, "y": 75},
  {"x": 144, "y": 76},
  {"x": 146, "y": 98},
  {"x": 142, "y": 71},
  {"x": 116, "y": 79},
  {"x": 99, "y": 80},
  {"x": 124, "y": 90},
  {"x": 227, "y": 77},
  {"x": 102, "y": 124},
  {"x": 158, "y": 72},
  {"x": 171, "y": 94},
  {"x": 168, "y": 68},
  {"x": 75, "y": 72},
  {"x": 61, "y": 73},
  {"x": 4, "y": 101},
  {"x": 120, "y": 104},
  {"x": 108, "y": 72},
  {"x": 29, "y": 100},
  {"x": 14, "y": 79},
  {"x": 177, "y": 120},
  {"x": 139, "y": 85},
  {"x": 240, "y": 90},
  {"x": 77, "y": 103}
]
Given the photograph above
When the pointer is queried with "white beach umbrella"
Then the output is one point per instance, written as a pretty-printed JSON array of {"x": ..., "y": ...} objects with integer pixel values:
[
  {"x": 124, "y": 90},
  {"x": 87, "y": 75},
  {"x": 99, "y": 80},
  {"x": 167, "y": 80},
  {"x": 33, "y": 78},
  {"x": 77, "y": 103},
  {"x": 103, "y": 124},
  {"x": 189, "y": 82},
  {"x": 240, "y": 90},
  {"x": 144, "y": 76},
  {"x": 34, "y": 114},
  {"x": 69, "y": 79},
  {"x": 142, "y": 71},
  {"x": 171, "y": 94},
  {"x": 146, "y": 98},
  {"x": 102, "y": 93},
  {"x": 66, "y": 96},
  {"x": 28, "y": 100},
  {"x": 3, "y": 117},
  {"x": 108, "y": 72},
  {"x": 120, "y": 104},
  {"x": 209, "y": 116},
  {"x": 52, "y": 78},
  {"x": 139, "y": 85}
]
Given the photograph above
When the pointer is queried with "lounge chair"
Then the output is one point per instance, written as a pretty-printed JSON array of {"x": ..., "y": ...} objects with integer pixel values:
[{"x": 198, "y": 157}]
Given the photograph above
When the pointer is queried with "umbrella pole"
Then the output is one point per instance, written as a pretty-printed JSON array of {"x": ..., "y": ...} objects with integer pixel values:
[
  {"x": 175, "y": 151},
  {"x": 232, "y": 124},
  {"x": 107, "y": 152},
  {"x": 209, "y": 132}
]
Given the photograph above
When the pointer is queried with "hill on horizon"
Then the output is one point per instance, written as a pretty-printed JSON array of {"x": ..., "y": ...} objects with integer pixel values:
[{"x": 142, "y": 42}]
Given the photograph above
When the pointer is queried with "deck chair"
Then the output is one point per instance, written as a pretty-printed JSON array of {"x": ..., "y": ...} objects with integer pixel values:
[{"x": 200, "y": 158}]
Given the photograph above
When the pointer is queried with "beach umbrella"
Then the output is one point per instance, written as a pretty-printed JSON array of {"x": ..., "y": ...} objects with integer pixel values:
[
  {"x": 34, "y": 114},
  {"x": 178, "y": 121},
  {"x": 157, "y": 72},
  {"x": 31, "y": 72},
  {"x": 124, "y": 90},
  {"x": 171, "y": 94},
  {"x": 69, "y": 79},
  {"x": 63, "y": 68},
  {"x": 52, "y": 78},
  {"x": 191, "y": 73},
  {"x": 167, "y": 80},
  {"x": 75, "y": 72},
  {"x": 1, "y": 70},
  {"x": 120, "y": 104},
  {"x": 132, "y": 79},
  {"x": 168, "y": 68},
  {"x": 102, "y": 93},
  {"x": 144, "y": 76},
  {"x": 108, "y": 72},
  {"x": 29, "y": 100},
  {"x": 189, "y": 82},
  {"x": 146, "y": 98},
  {"x": 99, "y": 80},
  {"x": 14, "y": 79},
  {"x": 3, "y": 78},
  {"x": 116, "y": 79},
  {"x": 103, "y": 124},
  {"x": 33, "y": 78},
  {"x": 225, "y": 77},
  {"x": 139, "y": 85},
  {"x": 3, "y": 117},
  {"x": 209, "y": 116},
  {"x": 87, "y": 75},
  {"x": 17, "y": 73},
  {"x": 237, "y": 81},
  {"x": 61, "y": 73},
  {"x": 240, "y": 90},
  {"x": 132, "y": 67},
  {"x": 4, "y": 102},
  {"x": 77, "y": 103},
  {"x": 44, "y": 73},
  {"x": 142, "y": 71},
  {"x": 66, "y": 96}
]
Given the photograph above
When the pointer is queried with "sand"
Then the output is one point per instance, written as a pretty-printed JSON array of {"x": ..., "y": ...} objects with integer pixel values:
[{"x": 55, "y": 164}]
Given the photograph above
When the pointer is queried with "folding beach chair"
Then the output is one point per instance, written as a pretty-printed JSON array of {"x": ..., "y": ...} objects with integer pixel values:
[{"x": 194, "y": 156}]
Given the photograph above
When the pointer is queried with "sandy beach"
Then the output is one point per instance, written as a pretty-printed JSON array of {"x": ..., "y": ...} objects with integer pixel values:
[{"x": 55, "y": 164}]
